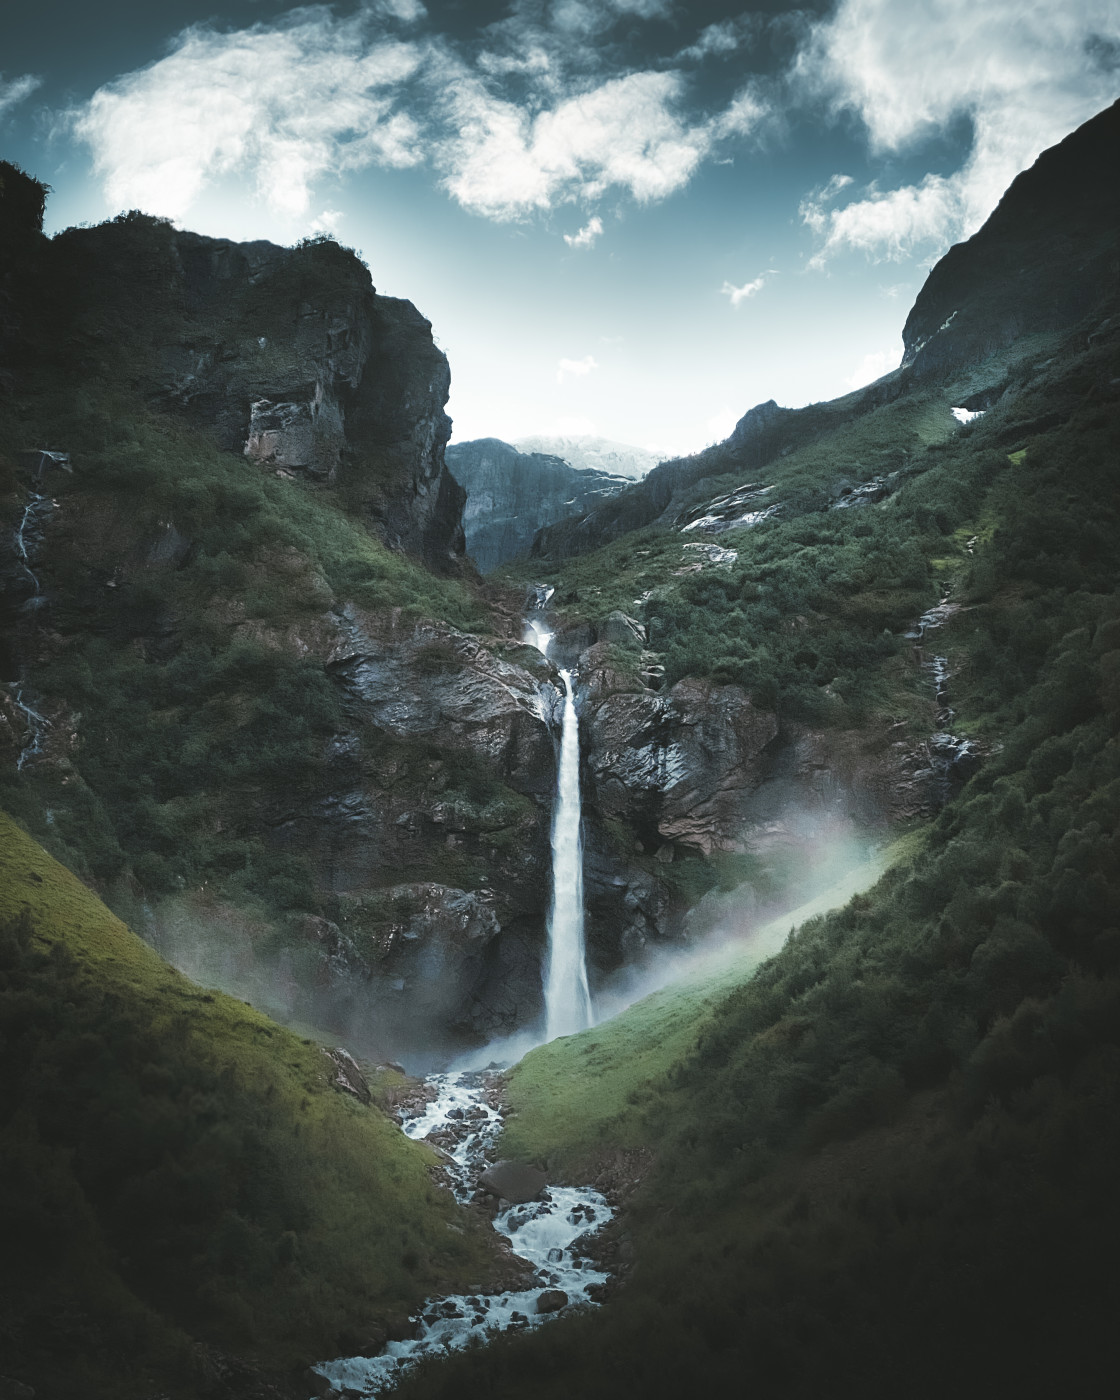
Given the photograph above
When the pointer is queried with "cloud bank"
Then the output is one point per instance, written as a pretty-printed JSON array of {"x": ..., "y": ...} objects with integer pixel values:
[
  {"x": 1023, "y": 74},
  {"x": 533, "y": 120}
]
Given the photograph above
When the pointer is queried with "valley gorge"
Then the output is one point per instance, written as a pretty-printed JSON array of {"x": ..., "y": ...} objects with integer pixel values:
[{"x": 352, "y": 725}]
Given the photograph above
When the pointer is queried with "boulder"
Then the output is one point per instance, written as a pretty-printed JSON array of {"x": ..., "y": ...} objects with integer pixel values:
[
  {"x": 516, "y": 1182},
  {"x": 551, "y": 1300},
  {"x": 622, "y": 630}
]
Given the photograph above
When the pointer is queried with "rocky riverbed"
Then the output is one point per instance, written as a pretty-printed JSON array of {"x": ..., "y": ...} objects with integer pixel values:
[{"x": 460, "y": 1115}]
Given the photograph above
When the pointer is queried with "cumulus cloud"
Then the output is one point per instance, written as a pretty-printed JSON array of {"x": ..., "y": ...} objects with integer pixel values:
[
  {"x": 536, "y": 120},
  {"x": 726, "y": 37},
  {"x": 1024, "y": 75},
  {"x": 283, "y": 106},
  {"x": 625, "y": 133},
  {"x": 14, "y": 92},
  {"x": 745, "y": 292},
  {"x": 587, "y": 235},
  {"x": 872, "y": 367},
  {"x": 578, "y": 368}
]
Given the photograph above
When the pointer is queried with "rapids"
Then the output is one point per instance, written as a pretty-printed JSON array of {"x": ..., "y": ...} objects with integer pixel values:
[{"x": 466, "y": 1125}]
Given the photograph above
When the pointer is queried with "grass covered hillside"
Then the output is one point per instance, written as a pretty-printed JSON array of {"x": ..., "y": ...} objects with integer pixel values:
[
  {"x": 886, "y": 1162},
  {"x": 187, "y": 1194}
]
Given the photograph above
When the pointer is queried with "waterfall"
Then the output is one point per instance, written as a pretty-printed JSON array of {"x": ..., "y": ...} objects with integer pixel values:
[{"x": 567, "y": 1000}]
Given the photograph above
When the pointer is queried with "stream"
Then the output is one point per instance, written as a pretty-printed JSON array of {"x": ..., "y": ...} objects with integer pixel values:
[
  {"x": 463, "y": 1120},
  {"x": 951, "y": 758}
]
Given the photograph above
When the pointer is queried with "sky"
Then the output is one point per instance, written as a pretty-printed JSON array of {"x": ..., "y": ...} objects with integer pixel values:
[{"x": 629, "y": 218}]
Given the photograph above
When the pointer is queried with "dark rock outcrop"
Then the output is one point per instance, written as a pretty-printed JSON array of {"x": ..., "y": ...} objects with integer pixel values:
[
  {"x": 512, "y": 494},
  {"x": 516, "y": 1182},
  {"x": 1048, "y": 254},
  {"x": 286, "y": 356}
]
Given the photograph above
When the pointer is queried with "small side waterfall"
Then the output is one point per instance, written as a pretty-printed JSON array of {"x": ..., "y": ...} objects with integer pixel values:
[{"x": 567, "y": 1000}]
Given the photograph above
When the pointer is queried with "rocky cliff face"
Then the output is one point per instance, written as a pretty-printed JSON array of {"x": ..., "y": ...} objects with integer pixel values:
[
  {"x": 1048, "y": 254},
  {"x": 286, "y": 356},
  {"x": 512, "y": 494}
]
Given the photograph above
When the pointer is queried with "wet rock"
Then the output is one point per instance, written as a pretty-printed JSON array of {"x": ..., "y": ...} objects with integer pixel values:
[
  {"x": 685, "y": 763},
  {"x": 436, "y": 681},
  {"x": 621, "y": 630},
  {"x": 551, "y": 1300},
  {"x": 346, "y": 1075},
  {"x": 517, "y": 1182}
]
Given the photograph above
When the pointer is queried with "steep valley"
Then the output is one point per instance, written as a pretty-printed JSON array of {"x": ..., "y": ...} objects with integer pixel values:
[{"x": 258, "y": 702}]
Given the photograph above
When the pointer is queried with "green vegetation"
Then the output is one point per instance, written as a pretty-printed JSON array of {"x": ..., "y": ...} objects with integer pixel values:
[
  {"x": 573, "y": 1098},
  {"x": 194, "y": 592},
  {"x": 886, "y": 1164},
  {"x": 810, "y": 618},
  {"x": 178, "y": 1168}
]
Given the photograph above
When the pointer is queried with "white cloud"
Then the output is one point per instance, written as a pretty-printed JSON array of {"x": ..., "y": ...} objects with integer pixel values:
[
  {"x": 725, "y": 37},
  {"x": 741, "y": 117},
  {"x": 579, "y": 368},
  {"x": 14, "y": 92},
  {"x": 624, "y": 133},
  {"x": 872, "y": 367},
  {"x": 327, "y": 222},
  {"x": 407, "y": 11},
  {"x": 743, "y": 293},
  {"x": 282, "y": 106},
  {"x": 534, "y": 121},
  {"x": 1024, "y": 74},
  {"x": 721, "y": 425},
  {"x": 587, "y": 235}
]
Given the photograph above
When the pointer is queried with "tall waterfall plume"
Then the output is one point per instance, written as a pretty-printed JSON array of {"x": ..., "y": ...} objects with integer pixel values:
[{"x": 567, "y": 1000}]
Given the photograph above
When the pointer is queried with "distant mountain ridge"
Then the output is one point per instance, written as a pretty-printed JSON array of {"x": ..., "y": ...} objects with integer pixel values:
[
  {"x": 512, "y": 494},
  {"x": 587, "y": 453}
]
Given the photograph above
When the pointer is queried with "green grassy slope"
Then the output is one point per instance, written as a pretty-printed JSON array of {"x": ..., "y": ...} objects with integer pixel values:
[
  {"x": 577, "y": 1096},
  {"x": 887, "y": 1165},
  {"x": 178, "y": 1170}
]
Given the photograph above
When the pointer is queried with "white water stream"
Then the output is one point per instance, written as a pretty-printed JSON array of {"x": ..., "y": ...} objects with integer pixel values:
[
  {"x": 463, "y": 1120},
  {"x": 567, "y": 999}
]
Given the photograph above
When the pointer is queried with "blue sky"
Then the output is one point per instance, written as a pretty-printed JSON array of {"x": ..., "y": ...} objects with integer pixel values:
[{"x": 635, "y": 218}]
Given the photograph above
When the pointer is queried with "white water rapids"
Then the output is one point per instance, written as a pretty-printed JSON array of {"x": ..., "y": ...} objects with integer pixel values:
[{"x": 465, "y": 1123}]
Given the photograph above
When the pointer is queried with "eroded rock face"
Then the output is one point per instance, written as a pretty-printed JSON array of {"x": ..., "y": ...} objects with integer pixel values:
[
  {"x": 284, "y": 356},
  {"x": 438, "y": 682},
  {"x": 680, "y": 767}
]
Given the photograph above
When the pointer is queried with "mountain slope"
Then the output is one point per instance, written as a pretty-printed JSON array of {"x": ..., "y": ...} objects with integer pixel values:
[
  {"x": 886, "y": 1164},
  {"x": 189, "y": 1192},
  {"x": 511, "y": 494},
  {"x": 1047, "y": 256}
]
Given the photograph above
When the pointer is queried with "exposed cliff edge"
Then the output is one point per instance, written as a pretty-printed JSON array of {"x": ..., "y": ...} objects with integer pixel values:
[
  {"x": 1044, "y": 258},
  {"x": 512, "y": 494},
  {"x": 287, "y": 356}
]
